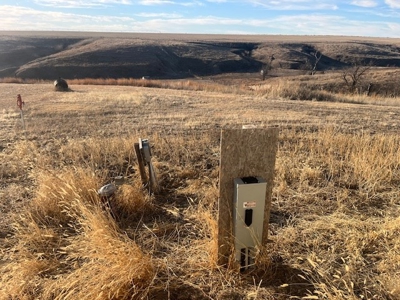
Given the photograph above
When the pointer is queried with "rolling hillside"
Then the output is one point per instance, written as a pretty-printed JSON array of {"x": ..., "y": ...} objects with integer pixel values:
[{"x": 49, "y": 55}]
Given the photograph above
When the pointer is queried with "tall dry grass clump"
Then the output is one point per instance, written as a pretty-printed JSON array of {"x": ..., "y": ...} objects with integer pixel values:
[
  {"x": 114, "y": 155},
  {"x": 109, "y": 264},
  {"x": 294, "y": 90},
  {"x": 68, "y": 246}
]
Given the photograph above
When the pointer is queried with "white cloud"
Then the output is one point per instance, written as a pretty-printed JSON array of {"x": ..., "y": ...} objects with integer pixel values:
[
  {"x": 393, "y": 3},
  {"x": 394, "y": 27},
  {"x": 210, "y": 20},
  {"x": 156, "y": 2},
  {"x": 192, "y": 3},
  {"x": 160, "y": 15},
  {"x": 365, "y": 3},
  {"x": 295, "y": 4},
  {"x": 23, "y": 18},
  {"x": 318, "y": 24},
  {"x": 321, "y": 24},
  {"x": 81, "y": 3},
  {"x": 167, "y": 2}
]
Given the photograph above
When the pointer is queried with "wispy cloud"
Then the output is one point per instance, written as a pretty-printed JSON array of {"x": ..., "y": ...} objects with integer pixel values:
[
  {"x": 156, "y": 2},
  {"x": 168, "y": 2},
  {"x": 393, "y": 3},
  {"x": 201, "y": 21},
  {"x": 158, "y": 15},
  {"x": 295, "y": 4},
  {"x": 81, "y": 3},
  {"x": 321, "y": 24},
  {"x": 365, "y": 3},
  {"x": 23, "y": 18}
]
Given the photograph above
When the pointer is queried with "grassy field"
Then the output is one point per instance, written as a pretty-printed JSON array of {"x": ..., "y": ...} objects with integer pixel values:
[{"x": 335, "y": 216}]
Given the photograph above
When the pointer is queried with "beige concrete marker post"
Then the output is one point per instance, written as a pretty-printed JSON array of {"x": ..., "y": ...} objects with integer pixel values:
[{"x": 244, "y": 153}]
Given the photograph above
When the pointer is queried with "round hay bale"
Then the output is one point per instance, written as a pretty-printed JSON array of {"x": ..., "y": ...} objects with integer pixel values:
[{"x": 61, "y": 84}]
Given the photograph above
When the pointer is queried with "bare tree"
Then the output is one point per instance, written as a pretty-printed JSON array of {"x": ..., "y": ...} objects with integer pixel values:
[
  {"x": 267, "y": 67},
  {"x": 312, "y": 63},
  {"x": 317, "y": 58},
  {"x": 353, "y": 76}
]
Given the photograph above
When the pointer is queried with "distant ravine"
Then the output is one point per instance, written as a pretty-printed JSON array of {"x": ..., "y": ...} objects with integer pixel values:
[{"x": 85, "y": 55}]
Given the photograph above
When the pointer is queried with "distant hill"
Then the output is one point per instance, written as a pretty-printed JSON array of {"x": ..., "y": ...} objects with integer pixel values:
[{"x": 49, "y": 55}]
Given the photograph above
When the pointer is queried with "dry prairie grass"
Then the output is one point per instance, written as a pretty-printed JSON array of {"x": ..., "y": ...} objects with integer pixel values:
[
  {"x": 334, "y": 229},
  {"x": 192, "y": 85},
  {"x": 66, "y": 240},
  {"x": 325, "y": 86},
  {"x": 330, "y": 86},
  {"x": 376, "y": 86}
]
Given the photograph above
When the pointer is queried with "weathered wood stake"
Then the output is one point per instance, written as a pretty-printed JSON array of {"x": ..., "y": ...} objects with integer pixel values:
[{"x": 142, "y": 170}]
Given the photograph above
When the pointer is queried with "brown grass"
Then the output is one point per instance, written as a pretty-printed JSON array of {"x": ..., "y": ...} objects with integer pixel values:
[
  {"x": 328, "y": 86},
  {"x": 324, "y": 86},
  {"x": 191, "y": 85},
  {"x": 67, "y": 238},
  {"x": 334, "y": 228},
  {"x": 21, "y": 80}
]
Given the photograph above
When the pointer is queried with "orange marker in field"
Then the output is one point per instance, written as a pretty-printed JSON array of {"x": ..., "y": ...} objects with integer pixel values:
[{"x": 21, "y": 103}]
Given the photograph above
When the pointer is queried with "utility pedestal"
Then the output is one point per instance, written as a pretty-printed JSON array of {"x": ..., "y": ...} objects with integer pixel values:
[{"x": 245, "y": 153}]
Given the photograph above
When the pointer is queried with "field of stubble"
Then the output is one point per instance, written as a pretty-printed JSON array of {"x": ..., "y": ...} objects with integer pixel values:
[{"x": 335, "y": 216}]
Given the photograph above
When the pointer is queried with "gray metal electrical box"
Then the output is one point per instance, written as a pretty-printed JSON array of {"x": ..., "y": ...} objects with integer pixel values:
[{"x": 248, "y": 217}]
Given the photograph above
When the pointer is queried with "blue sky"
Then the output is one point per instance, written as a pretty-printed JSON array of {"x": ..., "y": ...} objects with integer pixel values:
[{"x": 289, "y": 17}]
